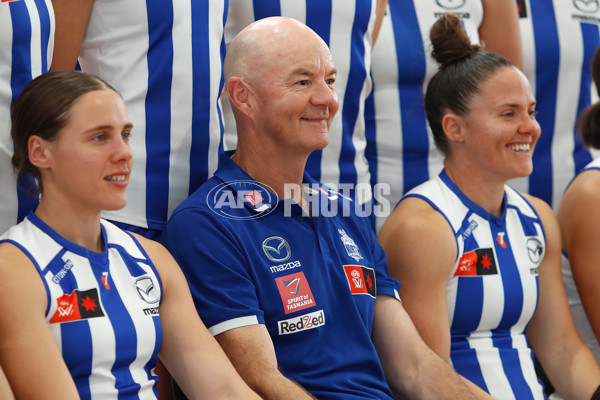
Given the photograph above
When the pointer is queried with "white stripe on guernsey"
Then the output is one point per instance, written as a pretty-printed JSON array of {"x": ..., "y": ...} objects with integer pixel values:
[
  {"x": 493, "y": 374},
  {"x": 529, "y": 67},
  {"x": 359, "y": 140},
  {"x": 340, "y": 47},
  {"x": 529, "y": 374},
  {"x": 127, "y": 67},
  {"x": 181, "y": 103},
  {"x": 8, "y": 196},
  {"x": 294, "y": 9},
  {"x": 567, "y": 98},
  {"x": 144, "y": 324},
  {"x": 233, "y": 323},
  {"x": 387, "y": 103},
  {"x": 239, "y": 14},
  {"x": 216, "y": 11}
]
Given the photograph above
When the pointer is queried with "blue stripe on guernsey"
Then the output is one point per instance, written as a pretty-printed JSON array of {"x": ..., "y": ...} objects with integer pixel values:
[
  {"x": 468, "y": 361},
  {"x": 540, "y": 180},
  {"x": 21, "y": 61},
  {"x": 589, "y": 34},
  {"x": 319, "y": 21},
  {"x": 150, "y": 365},
  {"x": 415, "y": 141},
  {"x": 46, "y": 29},
  {"x": 264, "y": 9},
  {"x": 158, "y": 121},
  {"x": 78, "y": 332},
  {"x": 513, "y": 306},
  {"x": 352, "y": 96},
  {"x": 318, "y": 17},
  {"x": 201, "y": 67},
  {"x": 371, "y": 135}
]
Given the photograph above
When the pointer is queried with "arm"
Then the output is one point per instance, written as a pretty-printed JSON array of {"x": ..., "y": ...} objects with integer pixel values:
[
  {"x": 423, "y": 271},
  {"x": 499, "y": 30},
  {"x": 570, "y": 365},
  {"x": 578, "y": 217},
  {"x": 187, "y": 347},
  {"x": 28, "y": 352},
  {"x": 411, "y": 367},
  {"x": 251, "y": 350},
  {"x": 380, "y": 10},
  {"x": 72, "y": 17},
  {"x": 5, "y": 391}
]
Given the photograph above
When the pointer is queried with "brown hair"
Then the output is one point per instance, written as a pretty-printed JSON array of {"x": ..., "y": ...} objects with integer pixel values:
[
  {"x": 43, "y": 108},
  {"x": 463, "y": 68},
  {"x": 589, "y": 120}
]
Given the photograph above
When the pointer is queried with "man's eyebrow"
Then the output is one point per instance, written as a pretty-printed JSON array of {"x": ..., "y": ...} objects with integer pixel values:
[{"x": 305, "y": 72}]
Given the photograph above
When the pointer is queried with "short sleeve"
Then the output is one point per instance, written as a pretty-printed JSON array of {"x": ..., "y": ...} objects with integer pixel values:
[{"x": 209, "y": 254}]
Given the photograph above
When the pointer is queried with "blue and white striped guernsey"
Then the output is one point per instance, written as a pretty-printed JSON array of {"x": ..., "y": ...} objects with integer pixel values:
[
  {"x": 400, "y": 146},
  {"x": 492, "y": 290},
  {"x": 346, "y": 27},
  {"x": 26, "y": 45},
  {"x": 559, "y": 39},
  {"x": 102, "y": 308},
  {"x": 165, "y": 57},
  {"x": 579, "y": 316}
]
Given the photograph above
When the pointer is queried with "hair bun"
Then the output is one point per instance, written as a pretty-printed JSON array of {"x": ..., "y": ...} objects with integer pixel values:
[{"x": 450, "y": 41}]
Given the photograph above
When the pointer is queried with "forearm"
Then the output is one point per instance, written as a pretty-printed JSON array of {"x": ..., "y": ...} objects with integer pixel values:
[
  {"x": 412, "y": 369},
  {"x": 276, "y": 386},
  {"x": 573, "y": 371}
]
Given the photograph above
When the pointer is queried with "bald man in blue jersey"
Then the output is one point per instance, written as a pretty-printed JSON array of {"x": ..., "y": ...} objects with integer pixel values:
[{"x": 298, "y": 296}]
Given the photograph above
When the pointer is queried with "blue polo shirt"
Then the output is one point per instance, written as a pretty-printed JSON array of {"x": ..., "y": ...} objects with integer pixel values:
[{"x": 252, "y": 258}]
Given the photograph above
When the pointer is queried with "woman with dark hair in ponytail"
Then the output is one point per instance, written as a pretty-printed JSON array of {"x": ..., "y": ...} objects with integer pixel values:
[
  {"x": 578, "y": 217},
  {"x": 479, "y": 262}
]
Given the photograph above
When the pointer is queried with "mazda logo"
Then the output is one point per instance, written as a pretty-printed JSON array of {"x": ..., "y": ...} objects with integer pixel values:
[
  {"x": 144, "y": 287},
  {"x": 276, "y": 249}
]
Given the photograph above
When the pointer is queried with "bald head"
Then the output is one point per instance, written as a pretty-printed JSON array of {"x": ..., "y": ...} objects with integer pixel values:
[{"x": 257, "y": 46}]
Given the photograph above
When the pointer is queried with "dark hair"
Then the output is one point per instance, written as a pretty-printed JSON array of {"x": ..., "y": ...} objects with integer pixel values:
[
  {"x": 44, "y": 108},
  {"x": 463, "y": 68},
  {"x": 589, "y": 120}
]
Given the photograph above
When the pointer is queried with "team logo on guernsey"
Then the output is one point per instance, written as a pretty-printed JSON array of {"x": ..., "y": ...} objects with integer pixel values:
[
  {"x": 276, "y": 249},
  {"x": 450, "y": 4},
  {"x": 477, "y": 263},
  {"x": 295, "y": 292},
  {"x": 77, "y": 306},
  {"x": 361, "y": 279},
  {"x": 535, "y": 250},
  {"x": 146, "y": 289},
  {"x": 587, "y": 6},
  {"x": 351, "y": 247},
  {"x": 500, "y": 239}
]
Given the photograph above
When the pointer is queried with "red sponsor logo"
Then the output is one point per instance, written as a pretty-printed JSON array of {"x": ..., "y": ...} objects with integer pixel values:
[
  {"x": 476, "y": 263},
  {"x": 254, "y": 197},
  {"x": 361, "y": 279},
  {"x": 77, "y": 306},
  {"x": 295, "y": 292}
]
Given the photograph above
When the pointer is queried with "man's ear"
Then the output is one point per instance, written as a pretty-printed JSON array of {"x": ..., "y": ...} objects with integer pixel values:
[
  {"x": 453, "y": 128},
  {"x": 240, "y": 95},
  {"x": 38, "y": 152}
]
